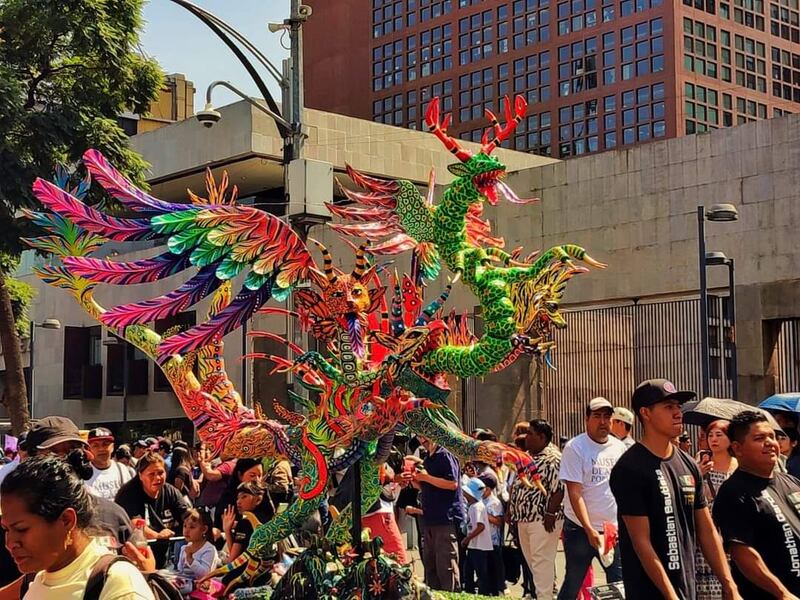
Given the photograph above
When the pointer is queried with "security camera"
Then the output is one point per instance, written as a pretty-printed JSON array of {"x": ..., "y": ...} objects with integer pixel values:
[
  {"x": 208, "y": 116},
  {"x": 305, "y": 11}
]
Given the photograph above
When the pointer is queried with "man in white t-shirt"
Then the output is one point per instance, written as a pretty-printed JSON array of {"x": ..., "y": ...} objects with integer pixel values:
[
  {"x": 109, "y": 475},
  {"x": 586, "y": 464}
]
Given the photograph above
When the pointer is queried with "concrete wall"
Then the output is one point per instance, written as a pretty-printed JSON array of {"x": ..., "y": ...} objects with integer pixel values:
[
  {"x": 636, "y": 210},
  {"x": 244, "y": 130}
]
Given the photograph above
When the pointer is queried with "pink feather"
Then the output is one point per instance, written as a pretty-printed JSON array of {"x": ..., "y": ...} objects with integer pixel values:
[
  {"x": 123, "y": 190},
  {"x": 124, "y": 273},
  {"x": 59, "y": 201}
]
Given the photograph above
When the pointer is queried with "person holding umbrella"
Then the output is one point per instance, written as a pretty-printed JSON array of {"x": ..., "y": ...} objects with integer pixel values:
[
  {"x": 716, "y": 464},
  {"x": 785, "y": 409}
]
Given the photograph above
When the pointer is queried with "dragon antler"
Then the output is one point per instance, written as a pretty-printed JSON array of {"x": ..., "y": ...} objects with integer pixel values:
[
  {"x": 512, "y": 119},
  {"x": 439, "y": 128}
]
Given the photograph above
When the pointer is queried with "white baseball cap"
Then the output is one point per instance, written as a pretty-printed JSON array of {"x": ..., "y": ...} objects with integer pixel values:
[
  {"x": 623, "y": 414},
  {"x": 599, "y": 403}
]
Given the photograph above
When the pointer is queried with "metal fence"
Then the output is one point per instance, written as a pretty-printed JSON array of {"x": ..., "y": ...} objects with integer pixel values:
[
  {"x": 788, "y": 357},
  {"x": 608, "y": 351}
]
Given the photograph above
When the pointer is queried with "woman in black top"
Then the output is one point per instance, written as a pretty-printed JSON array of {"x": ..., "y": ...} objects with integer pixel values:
[{"x": 150, "y": 497}]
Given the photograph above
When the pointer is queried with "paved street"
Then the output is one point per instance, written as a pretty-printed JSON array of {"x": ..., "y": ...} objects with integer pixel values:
[{"x": 515, "y": 591}]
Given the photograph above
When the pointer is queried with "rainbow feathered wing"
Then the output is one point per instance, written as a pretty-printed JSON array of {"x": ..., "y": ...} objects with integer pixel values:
[{"x": 220, "y": 240}]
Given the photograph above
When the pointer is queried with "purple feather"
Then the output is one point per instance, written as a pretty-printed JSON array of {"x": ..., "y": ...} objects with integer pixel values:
[
  {"x": 90, "y": 219},
  {"x": 123, "y": 190},
  {"x": 191, "y": 292},
  {"x": 356, "y": 332},
  {"x": 126, "y": 273},
  {"x": 231, "y": 317}
]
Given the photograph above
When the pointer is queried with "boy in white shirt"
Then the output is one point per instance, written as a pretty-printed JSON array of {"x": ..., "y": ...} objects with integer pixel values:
[{"x": 478, "y": 540}]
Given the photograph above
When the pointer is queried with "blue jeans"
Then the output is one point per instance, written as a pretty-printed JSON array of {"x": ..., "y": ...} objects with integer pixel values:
[{"x": 579, "y": 555}]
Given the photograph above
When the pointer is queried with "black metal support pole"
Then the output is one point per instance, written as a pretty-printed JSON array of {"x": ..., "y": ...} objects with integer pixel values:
[
  {"x": 732, "y": 319},
  {"x": 355, "y": 530},
  {"x": 31, "y": 360},
  {"x": 701, "y": 244},
  {"x": 245, "y": 375},
  {"x": 125, "y": 372}
]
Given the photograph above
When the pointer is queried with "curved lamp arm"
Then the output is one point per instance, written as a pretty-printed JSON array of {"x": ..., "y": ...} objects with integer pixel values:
[{"x": 226, "y": 84}]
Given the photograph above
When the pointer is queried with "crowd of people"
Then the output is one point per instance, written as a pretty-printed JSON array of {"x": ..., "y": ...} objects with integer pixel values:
[
  {"x": 664, "y": 523},
  {"x": 66, "y": 500},
  {"x": 723, "y": 522}
]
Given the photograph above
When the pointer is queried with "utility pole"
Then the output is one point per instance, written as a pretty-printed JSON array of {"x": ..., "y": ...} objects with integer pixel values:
[{"x": 298, "y": 15}]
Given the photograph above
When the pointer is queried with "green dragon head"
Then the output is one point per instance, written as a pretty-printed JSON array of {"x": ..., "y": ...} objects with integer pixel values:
[{"x": 480, "y": 173}]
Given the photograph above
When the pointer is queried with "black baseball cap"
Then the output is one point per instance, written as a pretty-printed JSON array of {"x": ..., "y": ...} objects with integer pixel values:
[
  {"x": 46, "y": 433},
  {"x": 100, "y": 433},
  {"x": 654, "y": 391}
]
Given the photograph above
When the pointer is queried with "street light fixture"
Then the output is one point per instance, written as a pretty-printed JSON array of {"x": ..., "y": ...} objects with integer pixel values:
[
  {"x": 209, "y": 116},
  {"x": 715, "y": 258},
  {"x": 718, "y": 213},
  {"x": 46, "y": 324},
  {"x": 722, "y": 213}
]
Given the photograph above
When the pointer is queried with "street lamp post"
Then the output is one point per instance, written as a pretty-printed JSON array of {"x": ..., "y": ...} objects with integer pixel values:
[
  {"x": 717, "y": 213},
  {"x": 714, "y": 259},
  {"x": 732, "y": 319},
  {"x": 46, "y": 324}
]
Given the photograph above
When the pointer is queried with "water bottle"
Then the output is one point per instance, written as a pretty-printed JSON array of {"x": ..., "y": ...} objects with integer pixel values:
[{"x": 138, "y": 538}]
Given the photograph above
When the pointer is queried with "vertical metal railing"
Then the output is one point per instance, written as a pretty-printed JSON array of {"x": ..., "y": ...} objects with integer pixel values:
[
  {"x": 608, "y": 351},
  {"x": 788, "y": 357}
]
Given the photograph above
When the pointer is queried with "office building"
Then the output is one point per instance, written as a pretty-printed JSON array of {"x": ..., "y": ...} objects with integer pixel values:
[{"x": 598, "y": 74}]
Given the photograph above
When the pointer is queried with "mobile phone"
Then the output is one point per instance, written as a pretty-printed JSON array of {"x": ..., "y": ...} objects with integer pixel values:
[
  {"x": 408, "y": 466},
  {"x": 705, "y": 455}
]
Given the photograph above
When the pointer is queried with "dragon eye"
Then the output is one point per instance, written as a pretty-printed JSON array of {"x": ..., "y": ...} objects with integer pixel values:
[
  {"x": 551, "y": 306},
  {"x": 337, "y": 294},
  {"x": 356, "y": 292}
]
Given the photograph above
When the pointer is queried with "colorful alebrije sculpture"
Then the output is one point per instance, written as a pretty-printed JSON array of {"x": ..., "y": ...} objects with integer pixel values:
[{"x": 387, "y": 365}]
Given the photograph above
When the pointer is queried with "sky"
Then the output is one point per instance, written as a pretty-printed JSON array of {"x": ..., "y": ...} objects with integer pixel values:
[{"x": 181, "y": 43}]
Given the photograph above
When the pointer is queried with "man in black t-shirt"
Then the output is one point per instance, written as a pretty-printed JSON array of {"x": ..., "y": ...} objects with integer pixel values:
[
  {"x": 758, "y": 512},
  {"x": 661, "y": 506}
]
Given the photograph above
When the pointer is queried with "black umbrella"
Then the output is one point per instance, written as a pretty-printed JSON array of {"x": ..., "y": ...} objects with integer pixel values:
[{"x": 705, "y": 411}]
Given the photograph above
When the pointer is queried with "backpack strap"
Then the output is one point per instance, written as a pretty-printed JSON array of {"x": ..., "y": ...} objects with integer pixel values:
[
  {"x": 97, "y": 578},
  {"x": 27, "y": 580}
]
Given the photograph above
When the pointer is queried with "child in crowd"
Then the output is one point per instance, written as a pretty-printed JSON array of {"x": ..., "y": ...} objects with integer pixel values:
[
  {"x": 253, "y": 507},
  {"x": 198, "y": 556},
  {"x": 495, "y": 515},
  {"x": 478, "y": 541}
]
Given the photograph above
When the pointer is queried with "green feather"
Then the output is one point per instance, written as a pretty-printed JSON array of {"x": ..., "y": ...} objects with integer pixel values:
[
  {"x": 207, "y": 253},
  {"x": 254, "y": 281},
  {"x": 173, "y": 222},
  {"x": 229, "y": 268},
  {"x": 280, "y": 293},
  {"x": 186, "y": 240}
]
